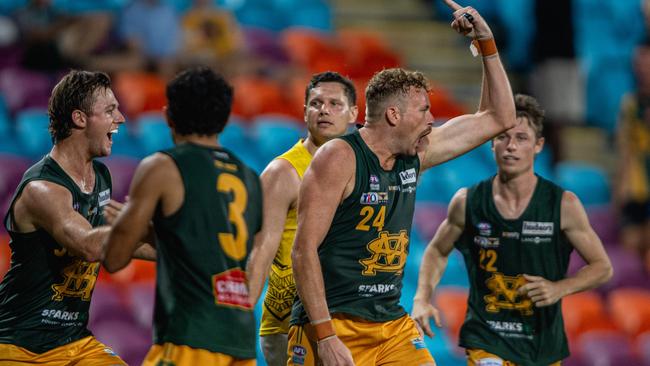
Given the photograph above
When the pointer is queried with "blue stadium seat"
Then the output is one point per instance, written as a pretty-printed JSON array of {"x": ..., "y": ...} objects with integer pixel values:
[
  {"x": 262, "y": 16},
  {"x": 126, "y": 144},
  {"x": 608, "y": 79},
  {"x": 588, "y": 182},
  {"x": 9, "y": 6},
  {"x": 32, "y": 132},
  {"x": 235, "y": 138},
  {"x": 274, "y": 135},
  {"x": 83, "y": 6},
  {"x": 154, "y": 134},
  {"x": 314, "y": 14}
]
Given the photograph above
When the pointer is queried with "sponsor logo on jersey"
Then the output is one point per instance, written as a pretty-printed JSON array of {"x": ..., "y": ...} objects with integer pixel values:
[
  {"x": 484, "y": 228},
  {"x": 375, "y": 289},
  {"x": 388, "y": 253},
  {"x": 230, "y": 289},
  {"x": 490, "y": 362},
  {"x": 484, "y": 242},
  {"x": 418, "y": 343},
  {"x": 61, "y": 315},
  {"x": 394, "y": 188},
  {"x": 299, "y": 354},
  {"x": 535, "y": 240},
  {"x": 510, "y": 234},
  {"x": 537, "y": 228},
  {"x": 104, "y": 197},
  {"x": 374, "y": 179},
  {"x": 374, "y": 198},
  {"x": 408, "y": 176}
]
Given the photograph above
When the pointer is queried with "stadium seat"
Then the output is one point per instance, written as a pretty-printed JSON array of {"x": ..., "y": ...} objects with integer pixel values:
[
  {"x": 628, "y": 270},
  {"x": 604, "y": 222},
  {"x": 452, "y": 304},
  {"x": 588, "y": 182},
  {"x": 141, "y": 298},
  {"x": 13, "y": 168},
  {"x": 275, "y": 135},
  {"x": 128, "y": 341},
  {"x": 365, "y": 53},
  {"x": 154, "y": 134},
  {"x": 428, "y": 216},
  {"x": 122, "y": 169},
  {"x": 139, "y": 92},
  {"x": 314, "y": 51},
  {"x": 260, "y": 15},
  {"x": 255, "y": 96},
  {"x": 264, "y": 43},
  {"x": 24, "y": 89},
  {"x": 630, "y": 309},
  {"x": 32, "y": 132},
  {"x": 606, "y": 348},
  {"x": 312, "y": 14},
  {"x": 107, "y": 305},
  {"x": 125, "y": 143},
  {"x": 643, "y": 348},
  {"x": 585, "y": 312},
  {"x": 5, "y": 254}
]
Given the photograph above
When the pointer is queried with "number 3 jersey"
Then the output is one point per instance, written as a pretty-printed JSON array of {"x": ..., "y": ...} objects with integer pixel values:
[
  {"x": 201, "y": 289},
  {"x": 45, "y": 296},
  {"x": 364, "y": 252},
  {"x": 497, "y": 253}
]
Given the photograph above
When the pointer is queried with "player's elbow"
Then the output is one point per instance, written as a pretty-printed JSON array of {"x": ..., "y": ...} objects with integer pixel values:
[
  {"x": 112, "y": 265},
  {"x": 608, "y": 272},
  {"x": 92, "y": 254}
]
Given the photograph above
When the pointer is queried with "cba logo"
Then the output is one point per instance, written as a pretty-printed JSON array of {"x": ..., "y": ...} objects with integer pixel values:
[
  {"x": 79, "y": 281},
  {"x": 388, "y": 253},
  {"x": 504, "y": 294}
]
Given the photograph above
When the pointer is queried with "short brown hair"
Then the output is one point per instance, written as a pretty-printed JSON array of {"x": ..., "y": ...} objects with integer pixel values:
[
  {"x": 389, "y": 83},
  {"x": 529, "y": 108},
  {"x": 75, "y": 91}
]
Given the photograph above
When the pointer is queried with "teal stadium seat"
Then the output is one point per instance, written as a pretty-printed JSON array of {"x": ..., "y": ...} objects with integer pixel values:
[
  {"x": 589, "y": 182},
  {"x": 274, "y": 135},
  {"x": 32, "y": 132},
  {"x": 154, "y": 134}
]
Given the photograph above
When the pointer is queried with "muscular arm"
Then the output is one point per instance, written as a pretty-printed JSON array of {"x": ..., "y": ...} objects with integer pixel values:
[
  {"x": 496, "y": 111},
  {"x": 280, "y": 184},
  {"x": 435, "y": 259},
  {"x": 598, "y": 269},
  {"x": 47, "y": 205},
  {"x": 324, "y": 186},
  {"x": 155, "y": 175}
]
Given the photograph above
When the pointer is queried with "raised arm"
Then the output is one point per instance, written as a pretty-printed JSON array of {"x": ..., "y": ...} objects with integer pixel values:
[
  {"x": 280, "y": 184},
  {"x": 329, "y": 179},
  {"x": 154, "y": 174},
  {"x": 434, "y": 262},
  {"x": 496, "y": 111},
  {"x": 597, "y": 271},
  {"x": 48, "y": 205}
]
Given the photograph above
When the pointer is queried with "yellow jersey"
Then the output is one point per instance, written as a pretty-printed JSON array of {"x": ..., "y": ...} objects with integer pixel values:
[{"x": 281, "y": 289}]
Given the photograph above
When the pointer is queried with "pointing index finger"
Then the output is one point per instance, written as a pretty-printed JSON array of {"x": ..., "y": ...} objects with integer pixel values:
[{"x": 453, "y": 5}]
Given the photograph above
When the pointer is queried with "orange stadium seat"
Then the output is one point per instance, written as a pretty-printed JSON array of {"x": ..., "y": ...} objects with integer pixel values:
[
  {"x": 366, "y": 53},
  {"x": 255, "y": 96},
  {"x": 139, "y": 92},
  {"x": 5, "y": 255},
  {"x": 584, "y": 312},
  {"x": 630, "y": 308},
  {"x": 312, "y": 50},
  {"x": 452, "y": 304}
]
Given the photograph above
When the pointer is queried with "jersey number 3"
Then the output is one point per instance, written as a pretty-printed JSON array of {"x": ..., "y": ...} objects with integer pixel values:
[{"x": 234, "y": 245}]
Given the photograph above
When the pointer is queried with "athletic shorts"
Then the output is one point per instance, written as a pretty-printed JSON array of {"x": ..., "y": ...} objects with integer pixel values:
[
  {"x": 170, "y": 354},
  {"x": 478, "y": 357},
  {"x": 396, "y": 342},
  {"x": 87, "y": 351}
]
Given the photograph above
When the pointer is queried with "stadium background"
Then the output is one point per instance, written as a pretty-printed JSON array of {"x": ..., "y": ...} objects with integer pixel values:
[{"x": 575, "y": 56}]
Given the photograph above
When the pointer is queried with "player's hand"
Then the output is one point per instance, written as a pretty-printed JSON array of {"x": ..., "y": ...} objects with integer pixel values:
[
  {"x": 467, "y": 21},
  {"x": 541, "y": 291},
  {"x": 422, "y": 313},
  {"x": 333, "y": 352},
  {"x": 111, "y": 210}
]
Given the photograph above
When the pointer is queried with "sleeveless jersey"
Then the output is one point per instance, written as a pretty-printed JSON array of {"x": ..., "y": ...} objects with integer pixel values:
[
  {"x": 45, "y": 296},
  {"x": 497, "y": 253},
  {"x": 282, "y": 289},
  {"x": 364, "y": 252},
  {"x": 201, "y": 290}
]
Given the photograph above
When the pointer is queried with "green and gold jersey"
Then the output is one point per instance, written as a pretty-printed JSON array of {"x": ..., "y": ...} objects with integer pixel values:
[
  {"x": 364, "y": 252},
  {"x": 201, "y": 289},
  {"x": 498, "y": 252},
  {"x": 282, "y": 288},
  {"x": 45, "y": 296}
]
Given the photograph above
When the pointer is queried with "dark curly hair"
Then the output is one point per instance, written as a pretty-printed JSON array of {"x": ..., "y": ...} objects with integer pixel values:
[
  {"x": 529, "y": 107},
  {"x": 333, "y": 77},
  {"x": 199, "y": 102},
  {"x": 76, "y": 91},
  {"x": 389, "y": 83}
]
